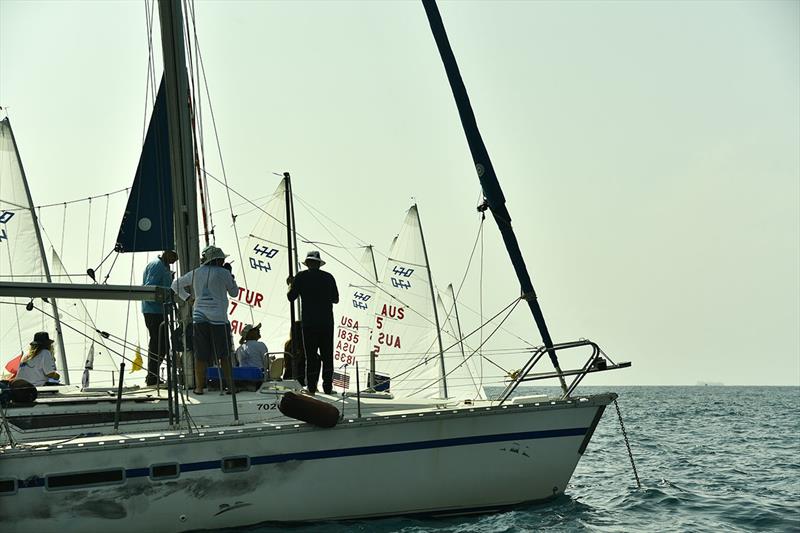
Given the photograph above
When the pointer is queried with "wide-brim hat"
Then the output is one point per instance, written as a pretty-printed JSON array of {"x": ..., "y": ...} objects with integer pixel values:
[
  {"x": 210, "y": 253},
  {"x": 41, "y": 338},
  {"x": 246, "y": 331},
  {"x": 313, "y": 256}
]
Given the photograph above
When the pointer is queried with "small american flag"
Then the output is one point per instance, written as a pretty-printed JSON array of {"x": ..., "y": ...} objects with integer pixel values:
[{"x": 341, "y": 380}]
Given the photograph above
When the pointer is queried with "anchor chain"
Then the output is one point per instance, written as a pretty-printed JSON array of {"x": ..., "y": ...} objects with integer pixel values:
[{"x": 627, "y": 444}]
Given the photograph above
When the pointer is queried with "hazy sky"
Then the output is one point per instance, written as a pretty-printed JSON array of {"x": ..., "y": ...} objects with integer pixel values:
[{"x": 649, "y": 151}]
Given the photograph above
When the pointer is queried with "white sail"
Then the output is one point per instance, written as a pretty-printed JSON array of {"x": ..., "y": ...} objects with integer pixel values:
[
  {"x": 404, "y": 333},
  {"x": 20, "y": 254},
  {"x": 354, "y": 322},
  {"x": 262, "y": 279},
  {"x": 463, "y": 381}
]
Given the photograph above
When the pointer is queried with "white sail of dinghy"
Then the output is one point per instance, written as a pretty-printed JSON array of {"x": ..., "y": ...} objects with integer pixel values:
[
  {"x": 404, "y": 336},
  {"x": 262, "y": 279},
  {"x": 354, "y": 320},
  {"x": 22, "y": 259},
  {"x": 463, "y": 379}
]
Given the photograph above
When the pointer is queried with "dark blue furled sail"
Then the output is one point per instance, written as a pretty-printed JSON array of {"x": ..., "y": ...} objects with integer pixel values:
[{"x": 147, "y": 224}]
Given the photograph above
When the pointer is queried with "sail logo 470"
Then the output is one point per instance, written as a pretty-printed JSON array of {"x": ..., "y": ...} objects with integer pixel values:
[
  {"x": 264, "y": 251},
  {"x": 360, "y": 300},
  {"x": 401, "y": 272},
  {"x": 4, "y": 218}
]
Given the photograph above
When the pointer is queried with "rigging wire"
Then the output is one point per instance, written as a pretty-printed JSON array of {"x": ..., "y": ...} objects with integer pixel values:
[
  {"x": 513, "y": 303},
  {"x": 480, "y": 288},
  {"x": 369, "y": 282},
  {"x": 353, "y": 257},
  {"x": 88, "y": 237},
  {"x": 257, "y": 199},
  {"x": 197, "y": 122},
  {"x": 513, "y": 306},
  {"x": 222, "y": 165},
  {"x": 45, "y": 313},
  {"x": 68, "y": 202},
  {"x": 63, "y": 228},
  {"x": 102, "y": 246},
  {"x": 329, "y": 219}
]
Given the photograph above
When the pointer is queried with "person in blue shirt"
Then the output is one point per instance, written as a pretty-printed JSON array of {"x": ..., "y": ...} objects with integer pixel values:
[{"x": 156, "y": 273}]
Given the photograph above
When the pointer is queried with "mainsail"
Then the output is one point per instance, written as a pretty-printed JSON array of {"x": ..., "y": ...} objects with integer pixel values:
[
  {"x": 351, "y": 342},
  {"x": 262, "y": 279},
  {"x": 404, "y": 336},
  {"x": 21, "y": 257}
]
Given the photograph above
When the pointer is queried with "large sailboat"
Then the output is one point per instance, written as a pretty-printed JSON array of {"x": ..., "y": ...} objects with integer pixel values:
[{"x": 423, "y": 433}]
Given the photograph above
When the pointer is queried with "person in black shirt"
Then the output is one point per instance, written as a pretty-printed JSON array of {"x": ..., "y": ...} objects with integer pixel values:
[{"x": 317, "y": 291}]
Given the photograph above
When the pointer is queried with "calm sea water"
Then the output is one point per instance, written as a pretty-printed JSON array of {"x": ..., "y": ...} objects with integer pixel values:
[{"x": 709, "y": 459}]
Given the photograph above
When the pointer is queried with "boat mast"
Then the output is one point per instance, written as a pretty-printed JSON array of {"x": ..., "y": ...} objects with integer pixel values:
[
  {"x": 184, "y": 190},
  {"x": 458, "y": 322},
  {"x": 62, "y": 354},
  {"x": 287, "y": 192},
  {"x": 374, "y": 266},
  {"x": 488, "y": 179},
  {"x": 433, "y": 301}
]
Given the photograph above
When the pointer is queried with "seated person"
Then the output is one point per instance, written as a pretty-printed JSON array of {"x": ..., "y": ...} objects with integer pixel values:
[
  {"x": 251, "y": 351},
  {"x": 295, "y": 360},
  {"x": 38, "y": 366}
]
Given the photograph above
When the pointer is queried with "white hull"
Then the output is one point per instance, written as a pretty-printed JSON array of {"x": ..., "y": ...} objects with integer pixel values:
[{"x": 450, "y": 460}]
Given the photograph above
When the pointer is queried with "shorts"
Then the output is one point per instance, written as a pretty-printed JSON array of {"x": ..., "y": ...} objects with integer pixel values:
[{"x": 212, "y": 341}]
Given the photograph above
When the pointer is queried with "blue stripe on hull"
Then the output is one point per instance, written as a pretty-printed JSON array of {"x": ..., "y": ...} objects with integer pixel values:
[{"x": 356, "y": 451}]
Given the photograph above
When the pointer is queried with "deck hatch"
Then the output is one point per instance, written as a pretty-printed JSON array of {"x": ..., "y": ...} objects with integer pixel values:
[{"x": 75, "y": 480}]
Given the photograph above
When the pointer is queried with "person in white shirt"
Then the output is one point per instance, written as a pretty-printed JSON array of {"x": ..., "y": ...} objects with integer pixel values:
[
  {"x": 39, "y": 365},
  {"x": 211, "y": 284},
  {"x": 251, "y": 351}
]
